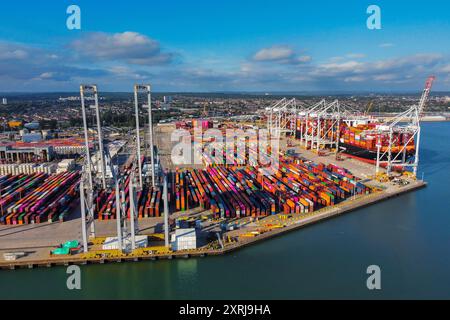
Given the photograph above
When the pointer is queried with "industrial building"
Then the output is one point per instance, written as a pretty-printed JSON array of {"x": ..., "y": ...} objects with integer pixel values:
[
  {"x": 32, "y": 137},
  {"x": 33, "y": 148},
  {"x": 112, "y": 243},
  {"x": 65, "y": 165},
  {"x": 27, "y": 168},
  {"x": 184, "y": 239},
  {"x": 15, "y": 153}
]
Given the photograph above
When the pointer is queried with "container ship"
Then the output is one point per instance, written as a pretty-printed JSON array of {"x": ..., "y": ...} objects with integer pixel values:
[
  {"x": 360, "y": 140},
  {"x": 363, "y": 136}
]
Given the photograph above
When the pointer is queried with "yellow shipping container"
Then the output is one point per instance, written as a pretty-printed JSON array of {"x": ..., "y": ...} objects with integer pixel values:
[{"x": 14, "y": 124}]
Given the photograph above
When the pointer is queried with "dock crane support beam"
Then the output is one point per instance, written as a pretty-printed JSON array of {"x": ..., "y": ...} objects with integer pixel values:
[
  {"x": 146, "y": 88},
  {"x": 138, "y": 138},
  {"x": 132, "y": 213},
  {"x": 83, "y": 217},
  {"x": 100, "y": 138},
  {"x": 118, "y": 216},
  {"x": 86, "y": 138},
  {"x": 94, "y": 91},
  {"x": 166, "y": 213},
  {"x": 150, "y": 129}
]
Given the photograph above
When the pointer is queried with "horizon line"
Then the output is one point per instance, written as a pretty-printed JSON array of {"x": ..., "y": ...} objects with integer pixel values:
[{"x": 266, "y": 93}]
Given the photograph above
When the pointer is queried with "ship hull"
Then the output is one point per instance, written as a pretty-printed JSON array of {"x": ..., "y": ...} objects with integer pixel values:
[{"x": 366, "y": 155}]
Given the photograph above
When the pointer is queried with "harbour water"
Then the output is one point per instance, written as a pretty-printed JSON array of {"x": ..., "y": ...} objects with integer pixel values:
[{"x": 407, "y": 237}]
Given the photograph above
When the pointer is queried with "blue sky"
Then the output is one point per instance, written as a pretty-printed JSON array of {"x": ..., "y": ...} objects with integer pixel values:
[{"x": 228, "y": 45}]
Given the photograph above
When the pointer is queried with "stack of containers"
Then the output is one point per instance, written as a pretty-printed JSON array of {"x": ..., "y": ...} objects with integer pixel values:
[
  {"x": 35, "y": 198},
  {"x": 148, "y": 200},
  {"x": 297, "y": 187},
  {"x": 12, "y": 188},
  {"x": 231, "y": 191}
]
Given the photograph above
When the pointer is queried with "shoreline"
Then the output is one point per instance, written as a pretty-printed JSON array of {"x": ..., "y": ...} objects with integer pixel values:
[{"x": 315, "y": 217}]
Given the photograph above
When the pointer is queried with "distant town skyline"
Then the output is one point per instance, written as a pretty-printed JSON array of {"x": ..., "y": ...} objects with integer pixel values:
[{"x": 234, "y": 46}]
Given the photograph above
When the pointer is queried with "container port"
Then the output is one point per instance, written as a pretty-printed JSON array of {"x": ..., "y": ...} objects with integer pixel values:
[
  {"x": 223, "y": 157},
  {"x": 124, "y": 198}
]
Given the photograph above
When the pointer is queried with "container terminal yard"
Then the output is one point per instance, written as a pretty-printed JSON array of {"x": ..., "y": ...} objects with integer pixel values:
[{"x": 96, "y": 199}]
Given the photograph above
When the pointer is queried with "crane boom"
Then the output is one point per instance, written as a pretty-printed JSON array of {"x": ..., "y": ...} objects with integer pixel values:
[
  {"x": 425, "y": 94},
  {"x": 369, "y": 107}
]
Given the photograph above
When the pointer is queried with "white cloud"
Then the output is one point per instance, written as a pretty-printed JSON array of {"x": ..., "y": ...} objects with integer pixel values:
[
  {"x": 246, "y": 67},
  {"x": 396, "y": 73},
  {"x": 415, "y": 62},
  {"x": 304, "y": 59},
  {"x": 446, "y": 68},
  {"x": 386, "y": 45},
  {"x": 335, "y": 68},
  {"x": 356, "y": 55},
  {"x": 354, "y": 79},
  {"x": 274, "y": 53},
  {"x": 385, "y": 77},
  {"x": 14, "y": 51},
  {"x": 280, "y": 54},
  {"x": 336, "y": 59},
  {"x": 131, "y": 47},
  {"x": 46, "y": 75},
  {"x": 116, "y": 56}
]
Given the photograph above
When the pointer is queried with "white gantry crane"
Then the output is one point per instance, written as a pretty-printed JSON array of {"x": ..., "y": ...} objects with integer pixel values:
[
  {"x": 138, "y": 130},
  {"x": 281, "y": 116},
  {"x": 87, "y": 207},
  {"x": 320, "y": 125},
  {"x": 134, "y": 228},
  {"x": 327, "y": 120},
  {"x": 146, "y": 89},
  {"x": 166, "y": 211},
  {"x": 306, "y": 123},
  {"x": 95, "y": 169},
  {"x": 99, "y": 165},
  {"x": 88, "y": 185},
  {"x": 406, "y": 125}
]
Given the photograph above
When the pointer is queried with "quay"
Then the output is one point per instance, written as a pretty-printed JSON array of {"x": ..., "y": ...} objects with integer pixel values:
[{"x": 295, "y": 223}]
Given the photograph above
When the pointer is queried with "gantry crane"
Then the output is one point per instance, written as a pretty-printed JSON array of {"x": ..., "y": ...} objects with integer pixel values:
[
  {"x": 369, "y": 107},
  {"x": 281, "y": 116},
  {"x": 88, "y": 185},
  {"x": 407, "y": 122},
  {"x": 146, "y": 89},
  {"x": 99, "y": 166}
]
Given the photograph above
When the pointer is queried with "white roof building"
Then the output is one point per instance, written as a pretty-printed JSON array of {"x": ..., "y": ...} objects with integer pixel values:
[{"x": 184, "y": 239}]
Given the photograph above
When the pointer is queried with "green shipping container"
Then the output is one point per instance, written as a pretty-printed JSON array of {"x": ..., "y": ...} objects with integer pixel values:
[{"x": 61, "y": 251}]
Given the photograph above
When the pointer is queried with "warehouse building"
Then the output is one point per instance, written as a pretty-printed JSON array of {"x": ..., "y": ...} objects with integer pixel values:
[
  {"x": 25, "y": 154},
  {"x": 184, "y": 239},
  {"x": 27, "y": 168},
  {"x": 112, "y": 243}
]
